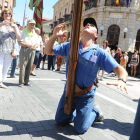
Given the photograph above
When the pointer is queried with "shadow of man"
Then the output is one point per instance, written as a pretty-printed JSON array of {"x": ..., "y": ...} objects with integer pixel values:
[{"x": 44, "y": 128}]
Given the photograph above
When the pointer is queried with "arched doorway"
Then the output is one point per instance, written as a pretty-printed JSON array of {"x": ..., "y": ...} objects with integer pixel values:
[
  {"x": 137, "y": 45},
  {"x": 113, "y": 36}
]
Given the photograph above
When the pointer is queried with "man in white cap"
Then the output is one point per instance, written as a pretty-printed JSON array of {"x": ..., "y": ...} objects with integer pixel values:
[{"x": 27, "y": 53}]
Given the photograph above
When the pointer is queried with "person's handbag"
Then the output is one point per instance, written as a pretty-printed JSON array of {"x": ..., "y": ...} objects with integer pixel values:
[{"x": 14, "y": 53}]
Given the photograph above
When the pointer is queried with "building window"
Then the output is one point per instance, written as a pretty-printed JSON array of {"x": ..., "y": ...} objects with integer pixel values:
[
  {"x": 90, "y": 4},
  {"x": 60, "y": 15},
  {"x": 137, "y": 45},
  {"x": 6, "y": 4},
  {"x": 113, "y": 36},
  {"x": 72, "y": 7},
  {"x": 65, "y": 10}
]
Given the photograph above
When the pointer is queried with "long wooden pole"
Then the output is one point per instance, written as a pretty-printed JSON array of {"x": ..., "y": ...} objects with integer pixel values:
[{"x": 73, "y": 57}]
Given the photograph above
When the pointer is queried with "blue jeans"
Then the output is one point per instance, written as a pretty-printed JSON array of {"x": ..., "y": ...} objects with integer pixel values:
[
  {"x": 135, "y": 134},
  {"x": 36, "y": 59},
  {"x": 51, "y": 62},
  {"x": 83, "y": 113},
  {"x": 14, "y": 64}
]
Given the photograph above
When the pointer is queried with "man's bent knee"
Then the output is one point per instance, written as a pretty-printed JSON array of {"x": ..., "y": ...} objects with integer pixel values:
[{"x": 80, "y": 130}]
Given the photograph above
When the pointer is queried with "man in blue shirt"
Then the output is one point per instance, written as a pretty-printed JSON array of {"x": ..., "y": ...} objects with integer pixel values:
[{"x": 90, "y": 59}]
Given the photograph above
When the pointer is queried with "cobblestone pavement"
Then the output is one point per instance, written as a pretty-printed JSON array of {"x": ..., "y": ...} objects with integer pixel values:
[{"x": 28, "y": 113}]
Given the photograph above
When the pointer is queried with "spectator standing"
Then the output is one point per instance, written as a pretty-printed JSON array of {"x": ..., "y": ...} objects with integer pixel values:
[
  {"x": 118, "y": 55},
  {"x": 112, "y": 52},
  {"x": 9, "y": 32},
  {"x": 106, "y": 48},
  {"x": 123, "y": 61},
  {"x": 126, "y": 57},
  {"x": 134, "y": 62},
  {"x": 42, "y": 57},
  {"x": 15, "y": 60},
  {"x": 52, "y": 59},
  {"x": 27, "y": 52},
  {"x": 60, "y": 58},
  {"x": 39, "y": 49}
]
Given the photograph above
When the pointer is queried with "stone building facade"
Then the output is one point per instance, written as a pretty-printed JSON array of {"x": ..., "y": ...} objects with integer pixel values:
[
  {"x": 120, "y": 25},
  {"x": 10, "y": 4},
  {"x": 46, "y": 28}
]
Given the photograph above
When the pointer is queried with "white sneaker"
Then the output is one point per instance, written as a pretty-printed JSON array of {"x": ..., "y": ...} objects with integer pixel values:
[{"x": 101, "y": 79}]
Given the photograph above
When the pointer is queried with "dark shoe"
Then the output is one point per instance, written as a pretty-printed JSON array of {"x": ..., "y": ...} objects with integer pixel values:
[
  {"x": 13, "y": 76},
  {"x": 28, "y": 84},
  {"x": 58, "y": 70},
  {"x": 20, "y": 85},
  {"x": 101, "y": 116},
  {"x": 33, "y": 74}
]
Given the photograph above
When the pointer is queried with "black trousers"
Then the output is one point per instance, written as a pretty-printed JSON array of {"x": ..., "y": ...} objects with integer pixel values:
[{"x": 51, "y": 62}]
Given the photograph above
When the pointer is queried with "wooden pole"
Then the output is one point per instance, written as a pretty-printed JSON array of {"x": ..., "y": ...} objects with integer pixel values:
[{"x": 73, "y": 57}]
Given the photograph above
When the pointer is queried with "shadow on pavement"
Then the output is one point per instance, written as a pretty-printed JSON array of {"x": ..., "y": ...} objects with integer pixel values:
[
  {"x": 116, "y": 126},
  {"x": 46, "y": 128},
  {"x": 11, "y": 84},
  {"x": 135, "y": 100}
]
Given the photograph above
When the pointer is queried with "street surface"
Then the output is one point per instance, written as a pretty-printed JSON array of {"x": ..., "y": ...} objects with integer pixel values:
[{"x": 28, "y": 113}]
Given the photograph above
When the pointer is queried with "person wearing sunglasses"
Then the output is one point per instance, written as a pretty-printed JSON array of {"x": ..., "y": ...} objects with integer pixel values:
[{"x": 9, "y": 32}]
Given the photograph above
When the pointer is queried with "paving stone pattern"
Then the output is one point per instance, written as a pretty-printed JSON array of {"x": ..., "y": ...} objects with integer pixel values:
[{"x": 28, "y": 113}]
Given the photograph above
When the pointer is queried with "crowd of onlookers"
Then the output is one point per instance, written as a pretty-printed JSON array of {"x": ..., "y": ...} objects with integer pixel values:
[
  {"x": 26, "y": 49},
  {"x": 122, "y": 58}
]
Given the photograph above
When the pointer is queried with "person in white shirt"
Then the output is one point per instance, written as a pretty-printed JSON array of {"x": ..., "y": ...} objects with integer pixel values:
[
  {"x": 28, "y": 45},
  {"x": 39, "y": 45},
  {"x": 106, "y": 48},
  {"x": 9, "y": 32}
]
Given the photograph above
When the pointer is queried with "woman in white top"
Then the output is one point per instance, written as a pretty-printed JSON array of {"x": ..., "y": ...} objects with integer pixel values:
[
  {"x": 106, "y": 48},
  {"x": 9, "y": 32},
  {"x": 39, "y": 48},
  {"x": 126, "y": 57}
]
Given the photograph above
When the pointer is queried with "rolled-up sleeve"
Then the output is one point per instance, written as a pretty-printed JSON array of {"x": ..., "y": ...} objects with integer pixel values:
[{"x": 62, "y": 49}]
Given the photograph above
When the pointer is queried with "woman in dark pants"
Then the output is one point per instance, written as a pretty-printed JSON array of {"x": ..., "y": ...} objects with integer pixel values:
[
  {"x": 135, "y": 134},
  {"x": 51, "y": 62},
  {"x": 45, "y": 38}
]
